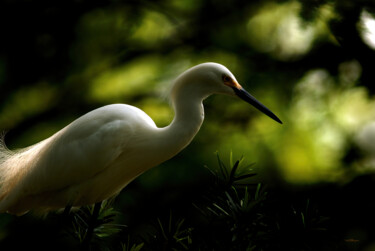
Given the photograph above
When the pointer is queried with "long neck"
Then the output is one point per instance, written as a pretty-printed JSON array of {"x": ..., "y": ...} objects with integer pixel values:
[{"x": 189, "y": 115}]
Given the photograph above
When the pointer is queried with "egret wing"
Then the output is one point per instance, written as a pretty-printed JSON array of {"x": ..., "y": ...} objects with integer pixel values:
[{"x": 81, "y": 150}]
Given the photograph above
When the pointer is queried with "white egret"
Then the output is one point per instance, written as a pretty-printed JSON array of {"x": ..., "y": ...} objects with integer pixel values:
[{"x": 97, "y": 155}]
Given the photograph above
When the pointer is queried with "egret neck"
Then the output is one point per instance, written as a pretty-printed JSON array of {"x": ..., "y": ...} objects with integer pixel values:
[{"x": 189, "y": 115}]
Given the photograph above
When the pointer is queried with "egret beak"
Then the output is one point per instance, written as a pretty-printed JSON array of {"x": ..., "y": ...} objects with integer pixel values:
[{"x": 244, "y": 95}]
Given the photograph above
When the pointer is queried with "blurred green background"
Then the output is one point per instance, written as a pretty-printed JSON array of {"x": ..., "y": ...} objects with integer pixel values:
[{"x": 310, "y": 62}]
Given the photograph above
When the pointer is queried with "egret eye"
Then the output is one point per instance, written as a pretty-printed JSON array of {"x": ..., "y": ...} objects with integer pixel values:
[{"x": 226, "y": 78}]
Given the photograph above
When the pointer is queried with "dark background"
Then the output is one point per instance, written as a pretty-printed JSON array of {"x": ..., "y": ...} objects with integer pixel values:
[{"x": 308, "y": 61}]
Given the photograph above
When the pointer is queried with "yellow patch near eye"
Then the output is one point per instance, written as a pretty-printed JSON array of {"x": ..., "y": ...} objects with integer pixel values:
[
  {"x": 236, "y": 85},
  {"x": 231, "y": 82}
]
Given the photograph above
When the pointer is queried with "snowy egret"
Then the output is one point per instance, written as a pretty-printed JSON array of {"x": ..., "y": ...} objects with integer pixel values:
[{"x": 97, "y": 155}]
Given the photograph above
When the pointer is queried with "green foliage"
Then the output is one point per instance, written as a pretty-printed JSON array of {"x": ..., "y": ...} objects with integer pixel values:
[
  {"x": 252, "y": 217},
  {"x": 232, "y": 175},
  {"x": 129, "y": 247},
  {"x": 219, "y": 216},
  {"x": 104, "y": 226},
  {"x": 171, "y": 235},
  {"x": 92, "y": 224}
]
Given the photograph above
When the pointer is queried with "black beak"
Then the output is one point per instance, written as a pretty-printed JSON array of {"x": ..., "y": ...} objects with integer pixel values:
[{"x": 244, "y": 95}]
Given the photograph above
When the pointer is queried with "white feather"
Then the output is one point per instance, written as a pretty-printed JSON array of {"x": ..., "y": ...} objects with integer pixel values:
[{"x": 98, "y": 154}]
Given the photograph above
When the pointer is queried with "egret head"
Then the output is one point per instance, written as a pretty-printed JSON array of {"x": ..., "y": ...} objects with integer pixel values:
[{"x": 212, "y": 78}]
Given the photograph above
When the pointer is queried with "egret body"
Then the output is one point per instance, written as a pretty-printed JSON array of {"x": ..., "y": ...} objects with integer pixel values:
[{"x": 98, "y": 154}]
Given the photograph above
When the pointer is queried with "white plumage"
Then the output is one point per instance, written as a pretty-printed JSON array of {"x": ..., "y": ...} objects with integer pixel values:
[{"x": 98, "y": 154}]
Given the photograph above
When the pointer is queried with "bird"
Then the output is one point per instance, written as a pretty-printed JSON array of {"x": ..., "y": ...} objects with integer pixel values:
[{"x": 97, "y": 155}]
